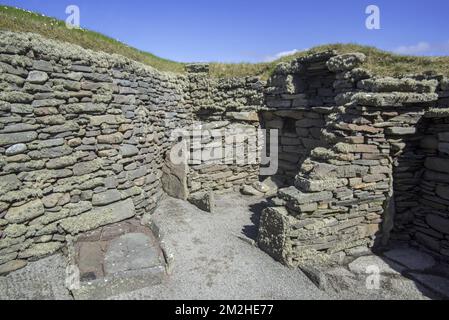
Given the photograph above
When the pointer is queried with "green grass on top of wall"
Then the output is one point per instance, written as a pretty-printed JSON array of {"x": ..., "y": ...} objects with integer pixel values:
[{"x": 379, "y": 62}]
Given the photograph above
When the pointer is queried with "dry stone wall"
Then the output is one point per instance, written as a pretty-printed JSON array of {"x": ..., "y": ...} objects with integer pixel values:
[
  {"x": 82, "y": 139},
  {"x": 224, "y": 113},
  {"x": 85, "y": 140},
  {"x": 368, "y": 185}
]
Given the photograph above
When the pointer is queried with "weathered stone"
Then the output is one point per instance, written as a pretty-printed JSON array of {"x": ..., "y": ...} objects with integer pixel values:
[
  {"x": 99, "y": 216},
  {"x": 396, "y": 99},
  {"x": 138, "y": 247},
  {"x": 437, "y": 164},
  {"x": 438, "y": 223},
  {"x": 51, "y": 200},
  {"x": 53, "y": 152},
  {"x": 312, "y": 185},
  {"x": 16, "y": 149},
  {"x": 442, "y": 191},
  {"x": 22, "y": 108},
  {"x": 19, "y": 127},
  {"x": 84, "y": 108},
  {"x": 8, "y": 183},
  {"x": 16, "y": 97},
  {"x": 428, "y": 241},
  {"x": 443, "y": 147},
  {"x": 47, "y": 103},
  {"x": 243, "y": 116},
  {"x": 67, "y": 127},
  {"x": 174, "y": 179},
  {"x": 128, "y": 150},
  {"x": 12, "y": 266},
  {"x": 15, "y": 230},
  {"x": 21, "y": 195},
  {"x": 272, "y": 232},
  {"x": 401, "y": 131},
  {"x": 345, "y": 62},
  {"x": 41, "y": 250},
  {"x": 37, "y": 77},
  {"x": 444, "y": 136},
  {"x": 25, "y": 212},
  {"x": 17, "y": 137},
  {"x": 389, "y": 84},
  {"x": 261, "y": 187},
  {"x": 429, "y": 142},
  {"x": 51, "y": 120},
  {"x": 108, "y": 119},
  {"x": 105, "y": 198},
  {"x": 61, "y": 162},
  {"x": 356, "y": 148},
  {"x": 203, "y": 200},
  {"x": 251, "y": 191},
  {"x": 115, "y": 138},
  {"x": 43, "y": 65},
  {"x": 367, "y": 264},
  {"x": 83, "y": 168},
  {"x": 293, "y": 194}
]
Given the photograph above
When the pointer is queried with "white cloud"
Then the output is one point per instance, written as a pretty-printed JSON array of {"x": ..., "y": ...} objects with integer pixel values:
[
  {"x": 281, "y": 54},
  {"x": 423, "y": 48}
]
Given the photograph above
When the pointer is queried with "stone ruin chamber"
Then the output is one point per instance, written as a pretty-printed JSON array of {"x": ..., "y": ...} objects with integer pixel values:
[{"x": 85, "y": 138}]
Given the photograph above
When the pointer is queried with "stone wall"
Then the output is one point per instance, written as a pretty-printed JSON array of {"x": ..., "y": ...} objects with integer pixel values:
[
  {"x": 222, "y": 109},
  {"x": 298, "y": 97},
  {"x": 85, "y": 141},
  {"x": 429, "y": 219},
  {"x": 362, "y": 190},
  {"x": 82, "y": 139}
]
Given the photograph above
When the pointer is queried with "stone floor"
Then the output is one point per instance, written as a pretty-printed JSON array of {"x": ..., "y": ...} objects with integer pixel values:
[
  {"x": 117, "y": 258},
  {"x": 212, "y": 256}
]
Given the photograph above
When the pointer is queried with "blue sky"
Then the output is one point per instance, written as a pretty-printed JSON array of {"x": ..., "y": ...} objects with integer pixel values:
[{"x": 256, "y": 30}]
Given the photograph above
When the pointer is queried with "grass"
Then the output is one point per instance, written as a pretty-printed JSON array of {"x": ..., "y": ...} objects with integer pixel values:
[
  {"x": 380, "y": 62},
  {"x": 18, "y": 20}
]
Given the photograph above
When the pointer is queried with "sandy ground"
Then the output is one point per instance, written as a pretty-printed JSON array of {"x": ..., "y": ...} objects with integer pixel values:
[{"x": 213, "y": 259}]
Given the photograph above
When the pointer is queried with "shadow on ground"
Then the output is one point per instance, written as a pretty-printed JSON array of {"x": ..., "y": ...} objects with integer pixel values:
[{"x": 251, "y": 231}]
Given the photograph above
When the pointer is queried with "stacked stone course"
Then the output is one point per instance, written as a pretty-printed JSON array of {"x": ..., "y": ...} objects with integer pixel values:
[
  {"x": 82, "y": 139},
  {"x": 85, "y": 140},
  {"x": 363, "y": 189}
]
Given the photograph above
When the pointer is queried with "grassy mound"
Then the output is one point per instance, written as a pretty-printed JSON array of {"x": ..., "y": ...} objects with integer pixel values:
[{"x": 378, "y": 61}]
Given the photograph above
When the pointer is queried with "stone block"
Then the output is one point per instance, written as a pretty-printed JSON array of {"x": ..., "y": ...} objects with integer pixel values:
[
  {"x": 298, "y": 197},
  {"x": 26, "y": 212},
  {"x": 105, "y": 198},
  {"x": 203, "y": 200},
  {"x": 12, "y": 266},
  {"x": 40, "y": 250},
  {"x": 37, "y": 77},
  {"x": 438, "y": 223},
  {"x": 98, "y": 217},
  {"x": 17, "y": 137},
  {"x": 437, "y": 164}
]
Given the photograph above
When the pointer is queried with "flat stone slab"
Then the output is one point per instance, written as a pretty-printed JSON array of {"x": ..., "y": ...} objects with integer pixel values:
[
  {"x": 40, "y": 280},
  {"x": 436, "y": 284},
  {"x": 366, "y": 265},
  {"x": 411, "y": 258},
  {"x": 116, "y": 259},
  {"x": 133, "y": 251}
]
